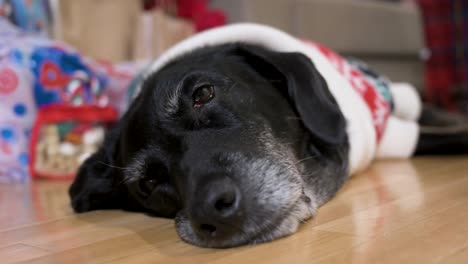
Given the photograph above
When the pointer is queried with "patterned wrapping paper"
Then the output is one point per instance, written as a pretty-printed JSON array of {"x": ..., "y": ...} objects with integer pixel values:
[
  {"x": 18, "y": 111},
  {"x": 36, "y": 72},
  {"x": 17, "y": 105}
]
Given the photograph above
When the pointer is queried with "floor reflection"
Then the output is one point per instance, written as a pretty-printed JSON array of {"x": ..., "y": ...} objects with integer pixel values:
[
  {"x": 390, "y": 182},
  {"x": 31, "y": 202}
]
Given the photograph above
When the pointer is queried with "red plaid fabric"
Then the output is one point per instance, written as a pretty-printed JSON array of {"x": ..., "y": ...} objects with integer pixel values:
[{"x": 446, "y": 31}]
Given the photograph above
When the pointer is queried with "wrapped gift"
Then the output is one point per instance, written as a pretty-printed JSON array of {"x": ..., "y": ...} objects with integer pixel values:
[
  {"x": 44, "y": 78},
  {"x": 18, "y": 112},
  {"x": 64, "y": 136}
]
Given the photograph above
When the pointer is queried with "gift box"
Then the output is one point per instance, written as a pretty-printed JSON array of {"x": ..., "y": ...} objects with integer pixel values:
[
  {"x": 101, "y": 29},
  {"x": 55, "y": 83},
  {"x": 18, "y": 112},
  {"x": 156, "y": 32},
  {"x": 64, "y": 136}
]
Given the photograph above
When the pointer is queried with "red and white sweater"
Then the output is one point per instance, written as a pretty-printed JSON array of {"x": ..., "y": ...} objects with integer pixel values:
[{"x": 374, "y": 131}]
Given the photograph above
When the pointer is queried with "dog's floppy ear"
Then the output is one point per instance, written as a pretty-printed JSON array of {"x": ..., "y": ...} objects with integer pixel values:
[
  {"x": 306, "y": 88},
  {"x": 98, "y": 181},
  {"x": 94, "y": 186}
]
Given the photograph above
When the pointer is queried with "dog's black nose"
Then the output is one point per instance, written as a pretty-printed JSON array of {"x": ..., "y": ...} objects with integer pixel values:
[{"x": 216, "y": 211}]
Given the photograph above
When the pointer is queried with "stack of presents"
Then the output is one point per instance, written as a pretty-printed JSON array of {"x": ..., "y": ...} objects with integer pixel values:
[{"x": 65, "y": 68}]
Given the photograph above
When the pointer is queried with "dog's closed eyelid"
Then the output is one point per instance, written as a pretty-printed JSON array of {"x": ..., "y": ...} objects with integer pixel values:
[{"x": 147, "y": 185}]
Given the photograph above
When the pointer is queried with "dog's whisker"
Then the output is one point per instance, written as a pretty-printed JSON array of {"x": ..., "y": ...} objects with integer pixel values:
[
  {"x": 112, "y": 166},
  {"x": 312, "y": 173},
  {"x": 304, "y": 159},
  {"x": 125, "y": 180}
]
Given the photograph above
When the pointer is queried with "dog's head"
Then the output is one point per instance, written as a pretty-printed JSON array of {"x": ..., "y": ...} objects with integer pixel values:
[{"x": 240, "y": 144}]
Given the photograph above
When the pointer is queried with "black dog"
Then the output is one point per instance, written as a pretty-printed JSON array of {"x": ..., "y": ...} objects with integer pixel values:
[{"x": 239, "y": 143}]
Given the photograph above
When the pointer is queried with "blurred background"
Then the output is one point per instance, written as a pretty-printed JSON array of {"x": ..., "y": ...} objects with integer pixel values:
[{"x": 66, "y": 65}]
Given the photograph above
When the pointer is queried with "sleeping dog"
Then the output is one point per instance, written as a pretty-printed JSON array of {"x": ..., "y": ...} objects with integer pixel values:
[{"x": 241, "y": 133}]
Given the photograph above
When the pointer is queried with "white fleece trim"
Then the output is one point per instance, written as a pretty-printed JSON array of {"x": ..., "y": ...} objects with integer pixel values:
[
  {"x": 399, "y": 139},
  {"x": 360, "y": 129},
  {"x": 407, "y": 103}
]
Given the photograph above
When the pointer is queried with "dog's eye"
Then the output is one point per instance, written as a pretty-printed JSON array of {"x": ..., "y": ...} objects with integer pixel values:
[
  {"x": 147, "y": 185},
  {"x": 203, "y": 95}
]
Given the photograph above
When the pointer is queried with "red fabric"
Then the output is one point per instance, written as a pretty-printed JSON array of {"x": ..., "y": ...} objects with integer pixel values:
[
  {"x": 191, "y": 8},
  {"x": 209, "y": 19},
  {"x": 199, "y": 12},
  {"x": 379, "y": 107},
  {"x": 446, "y": 33}
]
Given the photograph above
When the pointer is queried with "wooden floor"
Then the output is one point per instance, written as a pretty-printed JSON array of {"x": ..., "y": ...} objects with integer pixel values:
[{"x": 396, "y": 212}]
